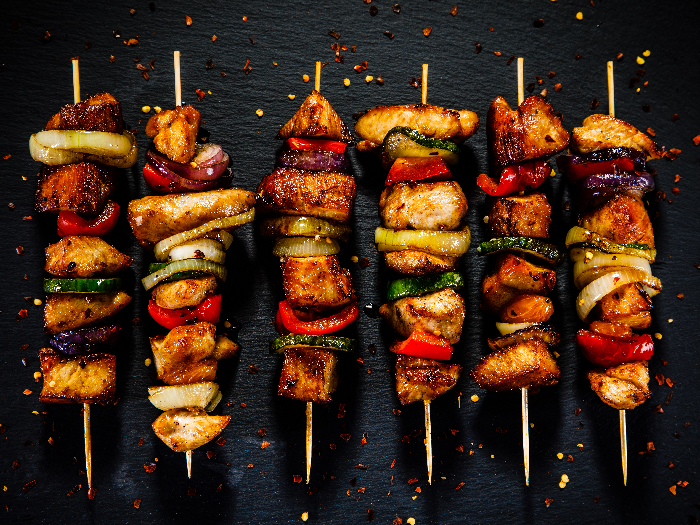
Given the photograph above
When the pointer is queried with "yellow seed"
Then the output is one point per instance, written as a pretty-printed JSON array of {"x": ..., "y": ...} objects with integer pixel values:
[
  {"x": 486, "y": 219},
  {"x": 227, "y": 324},
  {"x": 640, "y": 60},
  {"x": 369, "y": 78},
  {"x": 35, "y": 412},
  {"x": 346, "y": 82},
  {"x": 670, "y": 320},
  {"x": 492, "y": 456},
  {"x": 291, "y": 97},
  {"x": 552, "y": 173},
  {"x": 24, "y": 177},
  {"x": 37, "y": 302},
  {"x": 4, "y": 488},
  {"x": 532, "y": 425},
  {"x": 638, "y": 90},
  {"x": 37, "y": 375},
  {"x": 304, "y": 516},
  {"x": 565, "y": 478},
  {"x": 209, "y": 91},
  {"x": 556, "y": 355},
  {"x": 658, "y": 335},
  {"x": 259, "y": 113},
  {"x": 305, "y": 78},
  {"x": 580, "y": 446},
  {"x": 147, "y": 362},
  {"x": 414, "y": 521},
  {"x": 579, "y": 16},
  {"x": 146, "y": 109},
  {"x": 354, "y": 259},
  {"x": 475, "y": 398},
  {"x": 646, "y": 53},
  {"x": 562, "y": 484},
  {"x": 560, "y": 455},
  {"x": 157, "y": 109},
  {"x": 274, "y": 63},
  {"x": 411, "y": 521}
]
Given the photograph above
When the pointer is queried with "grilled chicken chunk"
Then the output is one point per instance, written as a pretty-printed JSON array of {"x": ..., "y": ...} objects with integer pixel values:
[
  {"x": 544, "y": 333},
  {"x": 604, "y": 131},
  {"x": 623, "y": 386},
  {"x": 532, "y": 130},
  {"x": 174, "y": 132},
  {"x": 419, "y": 379},
  {"x": 316, "y": 283},
  {"x": 526, "y": 364},
  {"x": 184, "y": 293},
  {"x": 101, "y": 112},
  {"x": 184, "y": 429},
  {"x": 414, "y": 262},
  {"x": 520, "y": 216},
  {"x": 432, "y": 121},
  {"x": 315, "y": 118},
  {"x": 611, "y": 328},
  {"x": 514, "y": 276},
  {"x": 90, "y": 378},
  {"x": 623, "y": 219},
  {"x": 423, "y": 206},
  {"x": 82, "y": 256},
  {"x": 439, "y": 313},
  {"x": 68, "y": 311},
  {"x": 527, "y": 308},
  {"x": 629, "y": 304},
  {"x": 83, "y": 187},
  {"x": 154, "y": 218},
  {"x": 308, "y": 374},
  {"x": 189, "y": 353},
  {"x": 324, "y": 194}
]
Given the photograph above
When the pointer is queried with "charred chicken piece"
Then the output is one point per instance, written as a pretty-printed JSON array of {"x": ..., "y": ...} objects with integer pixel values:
[
  {"x": 520, "y": 216},
  {"x": 544, "y": 333},
  {"x": 611, "y": 328},
  {"x": 419, "y": 379},
  {"x": 423, "y": 206},
  {"x": 531, "y": 131},
  {"x": 308, "y": 374},
  {"x": 184, "y": 429},
  {"x": 189, "y": 353},
  {"x": 82, "y": 256},
  {"x": 324, "y": 194},
  {"x": 514, "y": 276},
  {"x": 623, "y": 386},
  {"x": 174, "y": 132},
  {"x": 414, "y": 262},
  {"x": 629, "y": 304},
  {"x": 623, "y": 219},
  {"x": 603, "y": 131},
  {"x": 316, "y": 283},
  {"x": 68, "y": 311},
  {"x": 101, "y": 112},
  {"x": 432, "y": 121},
  {"x": 316, "y": 118},
  {"x": 184, "y": 293},
  {"x": 90, "y": 378},
  {"x": 83, "y": 187},
  {"x": 527, "y": 308},
  {"x": 439, "y": 313},
  {"x": 525, "y": 364}
]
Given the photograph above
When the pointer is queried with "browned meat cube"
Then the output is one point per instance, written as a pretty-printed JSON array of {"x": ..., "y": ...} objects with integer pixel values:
[
  {"x": 419, "y": 379},
  {"x": 101, "y": 112},
  {"x": 316, "y": 118},
  {"x": 526, "y": 364},
  {"x": 423, "y": 206},
  {"x": 83, "y": 187},
  {"x": 184, "y": 429},
  {"x": 68, "y": 311},
  {"x": 531, "y": 131},
  {"x": 440, "y": 313},
  {"x": 414, "y": 262},
  {"x": 184, "y": 293},
  {"x": 611, "y": 328},
  {"x": 629, "y": 304},
  {"x": 544, "y": 333},
  {"x": 520, "y": 216},
  {"x": 316, "y": 283},
  {"x": 514, "y": 276},
  {"x": 308, "y": 374},
  {"x": 623, "y": 219},
  {"x": 527, "y": 308},
  {"x": 603, "y": 131},
  {"x": 325, "y": 194},
  {"x": 174, "y": 132},
  {"x": 623, "y": 386},
  {"x": 82, "y": 256},
  {"x": 90, "y": 378}
]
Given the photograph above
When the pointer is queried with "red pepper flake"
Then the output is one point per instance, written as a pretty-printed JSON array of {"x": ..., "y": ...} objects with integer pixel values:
[
  {"x": 530, "y": 87},
  {"x": 594, "y": 103},
  {"x": 658, "y": 409},
  {"x": 510, "y": 60},
  {"x": 388, "y": 34},
  {"x": 15, "y": 465},
  {"x": 373, "y": 10},
  {"x": 22, "y": 314},
  {"x": 341, "y": 410},
  {"x": 676, "y": 191},
  {"x": 680, "y": 295},
  {"x": 548, "y": 502},
  {"x": 370, "y": 511},
  {"x": 393, "y": 464},
  {"x": 137, "y": 503},
  {"x": 418, "y": 490},
  {"x": 597, "y": 498},
  {"x": 243, "y": 405},
  {"x": 615, "y": 280},
  {"x": 265, "y": 444},
  {"x": 262, "y": 432},
  {"x": 672, "y": 488},
  {"x": 619, "y": 56},
  {"x": 497, "y": 53},
  {"x": 334, "y": 34},
  {"x": 150, "y": 468},
  {"x": 188, "y": 20},
  {"x": 221, "y": 441},
  {"x": 675, "y": 117},
  {"x": 396, "y": 8},
  {"x": 569, "y": 458},
  {"x": 191, "y": 491},
  {"x": 397, "y": 411},
  {"x": 659, "y": 378},
  {"x": 461, "y": 484},
  {"x": 75, "y": 489},
  {"x": 671, "y": 465},
  {"x": 412, "y": 481},
  {"x": 132, "y": 41},
  {"x": 200, "y": 93},
  {"x": 250, "y": 465},
  {"x": 415, "y": 82},
  {"x": 214, "y": 38},
  {"x": 296, "y": 478},
  {"x": 332, "y": 446},
  {"x": 29, "y": 486},
  {"x": 397, "y": 521},
  {"x": 27, "y": 218},
  {"x": 454, "y": 11},
  {"x": 577, "y": 411},
  {"x": 210, "y": 454},
  {"x": 650, "y": 447},
  {"x": 677, "y": 178},
  {"x": 361, "y": 466},
  {"x": 670, "y": 382},
  {"x": 361, "y": 490},
  {"x": 459, "y": 448},
  {"x": 46, "y": 37},
  {"x": 478, "y": 47},
  {"x": 365, "y": 435},
  {"x": 19, "y": 250},
  {"x": 359, "y": 68},
  {"x": 538, "y": 23},
  {"x": 247, "y": 68},
  {"x": 557, "y": 87},
  {"x": 672, "y": 153},
  {"x": 353, "y": 481},
  {"x": 427, "y": 31},
  {"x": 578, "y": 56}
]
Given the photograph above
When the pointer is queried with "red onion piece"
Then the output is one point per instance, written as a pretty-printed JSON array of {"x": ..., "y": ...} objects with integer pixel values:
[
  {"x": 187, "y": 171},
  {"x": 208, "y": 154},
  {"x": 86, "y": 340},
  {"x": 315, "y": 160},
  {"x": 184, "y": 183},
  {"x": 596, "y": 189},
  {"x": 563, "y": 161}
]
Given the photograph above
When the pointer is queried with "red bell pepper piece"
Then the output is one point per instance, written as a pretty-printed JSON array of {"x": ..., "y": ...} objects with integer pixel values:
[
  {"x": 412, "y": 169},
  {"x": 516, "y": 178},
  {"x": 159, "y": 183},
  {"x": 424, "y": 344},
  {"x": 609, "y": 350},
  {"x": 208, "y": 311},
  {"x": 70, "y": 223},
  {"x": 579, "y": 171},
  {"x": 325, "y": 325},
  {"x": 315, "y": 144}
]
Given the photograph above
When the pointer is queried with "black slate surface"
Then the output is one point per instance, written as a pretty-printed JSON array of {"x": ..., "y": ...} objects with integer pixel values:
[{"x": 243, "y": 483}]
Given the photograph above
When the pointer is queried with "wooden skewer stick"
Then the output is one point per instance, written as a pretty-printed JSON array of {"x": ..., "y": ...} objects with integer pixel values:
[
  {"x": 424, "y": 85},
  {"x": 178, "y": 90},
  {"x": 317, "y": 78},
  {"x": 188, "y": 458}
]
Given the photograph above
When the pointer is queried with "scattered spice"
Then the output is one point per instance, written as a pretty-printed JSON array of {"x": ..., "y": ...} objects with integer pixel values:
[
  {"x": 252, "y": 369},
  {"x": 221, "y": 441},
  {"x": 359, "y": 68},
  {"x": 539, "y": 22},
  {"x": 150, "y": 468},
  {"x": 265, "y": 444},
  {"x": 361, "y": 466},
  {"x": 594, "y": 103},
  {"x": 510, "y": 60},
  {"x": 22, "y": 314},
  {"x": 478, "y": 47},
  {"x": 396, "y": 8},
  {"x": 388, "y": 34},
  {"x": 454, "y": 11},
  {"x": 427, "y": 31},
  {"x": 373, "y": 10},
  {"x": 670, "y": 382},
  {"x": 200, "y": 93},
  {"x": 29, "y": 486},
  {"x": 557, "y": 87},
  {"x": 305, "y": 78},
  {"x": 296, "y": 478},
  {"x": 19, "y": 250},
  {"x": 548, "y": 502},
  {"x": 188, "y": 20}
]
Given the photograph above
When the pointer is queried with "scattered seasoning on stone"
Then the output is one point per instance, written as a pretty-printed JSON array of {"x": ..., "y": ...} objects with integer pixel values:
[
  {"x": 530, "y": 87},
  {"x": 265, "y": 444},
  {"x": 427, "y": 31},
  {"x": 539, "y": 22},
  {"x": 396, "y": 8},
  {"x": 548, "y": 502},
  {"x": 388, "y": 34},
  {"x": 188, "y": 20},
  {"x": 594, "y": 103},
  {"x": 510, "y": 60},
  {"x": 137, "y": 503},
  {"x": 497, "y": 53},
  {"x": 29, "y": 486},
  {"x": 478, "y": 47},
  {"x": 557, "y": 87},
  {"x": 373, "y": 10},
  {"x": 19, "y": 250},
  {"x": 252, "y": 369},
  {"x": 578, "y": 56}
]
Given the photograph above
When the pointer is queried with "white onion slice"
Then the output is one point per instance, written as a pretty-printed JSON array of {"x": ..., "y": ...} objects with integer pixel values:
[
  {"x": 199, "y": 249},
  {"x": 305, "y": 247},
  {"x": 509, "y": 328},
  {"x": 81, "y": 141},
  {"x": 186, "y": 265},
  {"x": 55, "y": 157},
  {"x": 198, "y": 395},
  {"x": 449, "y": 243},
  {"x": 594, "y": 264}
]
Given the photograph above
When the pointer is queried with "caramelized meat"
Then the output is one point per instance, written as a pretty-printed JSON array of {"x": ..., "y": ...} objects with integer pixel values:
[
  {"x": 317, "y": 283},
  {"x": 527, "y": 308},
  {"x": 419, "y": 379},
  {"x": 423, "y": 206},
  {"x": 623, "y": 219},
  {"x": 83, "y": 187},
  {"x": 324, "y": 194},
  {"x": 68, "y": 311},
  {"x": 184, "y": 293},
  {"x": 90, "y": 378},
  {"x": 439, "y": 313},
  {"x": 514, "y": 276},
  {"x": 189, "y": 353},
  {"x": 184, "y": 429},
  {"x": 623, "y": 386},
  {"x": 82, "y": 256},
  {"x": 432, "y": 121},
  {"x": 629, "y": 304},
  {"x": 315, "y": 118},
  {"x": 526, "y": 364},
  {"x": 414, "y": 262},
  {"x": 533, "y": 130},
  {"x": 101, "y": 112},
  {"x": 308, "y": 374},
  {"x": 520, "y": 216},
  {"x": 611, "y": 328},
  {"x": 154, "y": 218},
  {"x": 174, "y": 132},
  {"x": 603, "y": 131},
  {"x": 545, "y": 333}
]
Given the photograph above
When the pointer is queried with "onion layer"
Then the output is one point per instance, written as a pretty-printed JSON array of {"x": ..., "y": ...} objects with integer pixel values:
[
  {"x": 85, "y": 340},
  {"x": 305, "y": 247},
  {"x": 208, "y": 169},
  {"x": 509, "y": 328},
  {"x": 186, "y": 265},
  {"x": 80, "y": 141},
  {"x": 300, "y": 226},
  {"x": 594, "y": 264},
  {"x": 55, "y": 157},
  {"x": 594, "y": 188},
  {"x": 449, "y": 243},
  {"x": 199, "y": 249},
  {"x": 315, "y": 160},
  {"x": 197, "y": 395}
]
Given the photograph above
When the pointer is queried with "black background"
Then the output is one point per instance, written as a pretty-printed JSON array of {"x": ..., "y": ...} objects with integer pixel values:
[{"x": 257, "y": 484}]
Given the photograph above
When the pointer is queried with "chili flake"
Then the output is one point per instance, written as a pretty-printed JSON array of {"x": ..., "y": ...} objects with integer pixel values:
[
  {"x": 296, "y": 478},
  {"x": 188, "y": 20},
  {"x": 454, "y": 11},
  {"x": 29, "y": 486},
  {"x": 548, "y": 502},
  {"x": 427, "y": 31}
]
